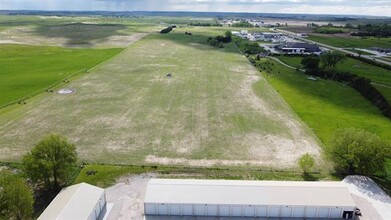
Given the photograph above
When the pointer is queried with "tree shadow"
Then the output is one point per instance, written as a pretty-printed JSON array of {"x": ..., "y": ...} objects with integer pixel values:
[
  {"x": 309, "y": 177},
  {"x": 80, "y": 34}
]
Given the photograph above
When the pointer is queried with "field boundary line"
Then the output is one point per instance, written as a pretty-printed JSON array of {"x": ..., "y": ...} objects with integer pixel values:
[{"x": 64, "y": 80}]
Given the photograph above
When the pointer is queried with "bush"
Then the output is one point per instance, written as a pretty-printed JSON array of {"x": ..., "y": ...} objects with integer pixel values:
[
  {"x": 306, "y": 162},
  {"x": 166, "y": 30}
]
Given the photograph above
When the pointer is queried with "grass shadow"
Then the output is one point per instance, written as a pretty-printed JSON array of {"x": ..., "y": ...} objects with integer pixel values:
[{"x": 80, "y": 33}]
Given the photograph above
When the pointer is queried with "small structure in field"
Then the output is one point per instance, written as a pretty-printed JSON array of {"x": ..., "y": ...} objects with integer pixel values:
[{"x": 66, "y": 91}]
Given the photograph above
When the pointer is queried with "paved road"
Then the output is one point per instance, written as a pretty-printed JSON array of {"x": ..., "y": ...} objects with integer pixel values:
[{"x": 294, "y": 35}]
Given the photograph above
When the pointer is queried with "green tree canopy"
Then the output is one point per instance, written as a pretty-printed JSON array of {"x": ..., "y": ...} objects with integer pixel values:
[
  {"x": 306, "y": 162},
  {"x": 357, "y": 151},
  {"x": 331, "y": 59},
  {"x": 310, "y": 62},
  {"x": 16, "y": 198},
  {"x": 51, "y": 160}
]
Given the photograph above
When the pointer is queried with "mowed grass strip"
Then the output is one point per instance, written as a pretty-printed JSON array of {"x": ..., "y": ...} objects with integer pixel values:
[
  {"x": 351, "y": 42},
  {"x": 374, "y": 73},
  {"x": 129, "y": 109},
  {"x": 326, "y": 105},
  {"x": 28, "y": 69}
]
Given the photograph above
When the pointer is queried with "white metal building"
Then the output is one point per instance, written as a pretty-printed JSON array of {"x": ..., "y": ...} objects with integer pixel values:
[
  {"x": 248, "y": 199},
  {"x": 77, "y": 202}
]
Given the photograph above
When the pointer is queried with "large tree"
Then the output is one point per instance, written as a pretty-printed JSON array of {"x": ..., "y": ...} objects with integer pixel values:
[
  {"x": 357, "y": 151},
  {"x": 331, "y": 59},
  {"x": 16, "y": 198},
  {"x": 50, "y": 161}
]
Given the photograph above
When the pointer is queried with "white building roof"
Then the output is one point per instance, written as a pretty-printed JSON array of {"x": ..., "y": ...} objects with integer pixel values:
[
  {"x": 331, "y": 194},
  {"x": 73, "y": 202}
]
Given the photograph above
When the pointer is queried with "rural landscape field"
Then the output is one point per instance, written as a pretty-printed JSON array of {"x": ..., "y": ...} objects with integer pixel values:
[{"x": 134, "y": 99}]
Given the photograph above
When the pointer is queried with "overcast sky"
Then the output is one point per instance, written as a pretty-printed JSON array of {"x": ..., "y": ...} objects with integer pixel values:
[{"x": 353, "y": 7}]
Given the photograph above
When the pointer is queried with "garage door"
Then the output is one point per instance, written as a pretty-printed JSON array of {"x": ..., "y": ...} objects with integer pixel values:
[
  {"x": 162, "y": 209},
  {"x": 336, "y": 213},
  {"x": 286, "y": 212},
  {"x": 323, "y": 212},
  {"x": 310, "y": 212},
  {"x": 150, "y": 209},
  {"x": 187, "y": 209},
  {"x": 236, "y": 211},
  {"x": 249, "y": 211},
  {"x": 274, "y": 212},
  {"x": 298, "y": 212},
  {"x": 212, "y": 210},
  {"x": 175, "y": 209},
  {"x": 224, "y": 210},
  {"x": 199, "y": 210},
  {"x": 261, "y": 211}
]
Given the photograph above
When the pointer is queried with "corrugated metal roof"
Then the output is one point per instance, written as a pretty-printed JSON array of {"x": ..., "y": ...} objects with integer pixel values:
[
  {"x": 73, "y": 202},
  {"x": 288, "y": 193}
]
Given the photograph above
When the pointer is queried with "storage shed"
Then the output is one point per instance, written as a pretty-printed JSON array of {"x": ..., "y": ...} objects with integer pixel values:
[
  {"x": 78, "y": 202},
  {"x": 220, "y": 198}
]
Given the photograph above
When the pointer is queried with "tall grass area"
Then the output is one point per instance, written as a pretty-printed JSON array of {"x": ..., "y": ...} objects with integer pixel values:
[
  {"x": 351, "y": 42},
  {"x": 107, "y": 175},
  {"x": 374, "y": 73},
  {"x": 326, "y": 105},
  {"x": 28, "y": 69}
]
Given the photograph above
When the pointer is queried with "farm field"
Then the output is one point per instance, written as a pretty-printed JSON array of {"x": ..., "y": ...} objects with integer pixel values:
[
  {"x": 374, "y": 73},
  {"x": 328, "y": 105},
  {"x": 29, "y": 69},
  {"x": 128, "y": 111},
  {"x": 350, "y": 42}
]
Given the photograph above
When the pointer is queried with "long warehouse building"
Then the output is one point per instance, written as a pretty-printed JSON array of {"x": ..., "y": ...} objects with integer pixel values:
[{"x": 227, "y": 198}]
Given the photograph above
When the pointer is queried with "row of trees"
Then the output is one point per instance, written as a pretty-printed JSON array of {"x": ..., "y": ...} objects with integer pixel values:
[
  {"x": 50, "y": 162},
  {"x": 373, "y": 30},
  {"x": 361, "y": 84},
  {"x": 205, "y": 24}
]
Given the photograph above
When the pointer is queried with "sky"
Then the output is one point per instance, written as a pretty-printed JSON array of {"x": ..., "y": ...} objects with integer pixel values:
[{"x": 347, "y": 7}]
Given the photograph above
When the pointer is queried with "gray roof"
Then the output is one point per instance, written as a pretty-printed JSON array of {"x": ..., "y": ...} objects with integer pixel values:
[
  {"x": 231, "y": 192},
  {"x": 308, "y": 47},
  {"x": 73, "y": 202}
]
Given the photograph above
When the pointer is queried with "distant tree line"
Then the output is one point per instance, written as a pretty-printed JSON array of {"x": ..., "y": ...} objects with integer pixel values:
[
  {"x": 205, "y": 24},
  {"x": 242, "y": 24},
  {"x": 359, "y": 83},
  {"x": 373, "y": 30}
]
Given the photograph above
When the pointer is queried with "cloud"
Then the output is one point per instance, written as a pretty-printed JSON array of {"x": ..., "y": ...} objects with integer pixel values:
[{"x": 359, "y": 7}]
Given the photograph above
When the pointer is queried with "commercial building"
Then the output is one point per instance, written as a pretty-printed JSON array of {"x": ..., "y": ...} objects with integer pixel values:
[
  {"x": 77, "y": 202},
  {"x": 222, "y": 198}
]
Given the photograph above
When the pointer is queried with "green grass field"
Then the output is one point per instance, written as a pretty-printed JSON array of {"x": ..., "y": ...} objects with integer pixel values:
[
  {"x": 326, "y": 105},
  {"x": 351, "y": 42},
  {"x": 128, "y": 111},
  {"x": 374, "y": 73},
  {"x": 29, "y": 69}
]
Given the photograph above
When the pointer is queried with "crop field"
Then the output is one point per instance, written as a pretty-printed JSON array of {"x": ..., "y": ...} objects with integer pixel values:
[
  {"x": 374, "y": 73},
  {"x": 328, "y": 105},
  {"x": 216, "y": 109},
  {"x": 29, "y": 69},
  {"x": 350, "y": 42}
]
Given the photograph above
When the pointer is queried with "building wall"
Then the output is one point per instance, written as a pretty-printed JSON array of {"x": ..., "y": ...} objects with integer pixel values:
[
  {"x": 99, "y": 207},
  {"x": 245, "y": 210}
]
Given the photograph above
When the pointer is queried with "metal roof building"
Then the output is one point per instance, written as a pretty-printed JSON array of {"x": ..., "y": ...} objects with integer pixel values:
[
  {"x": 248, "y": 198},
  {"x": 81, "y": 201}
]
